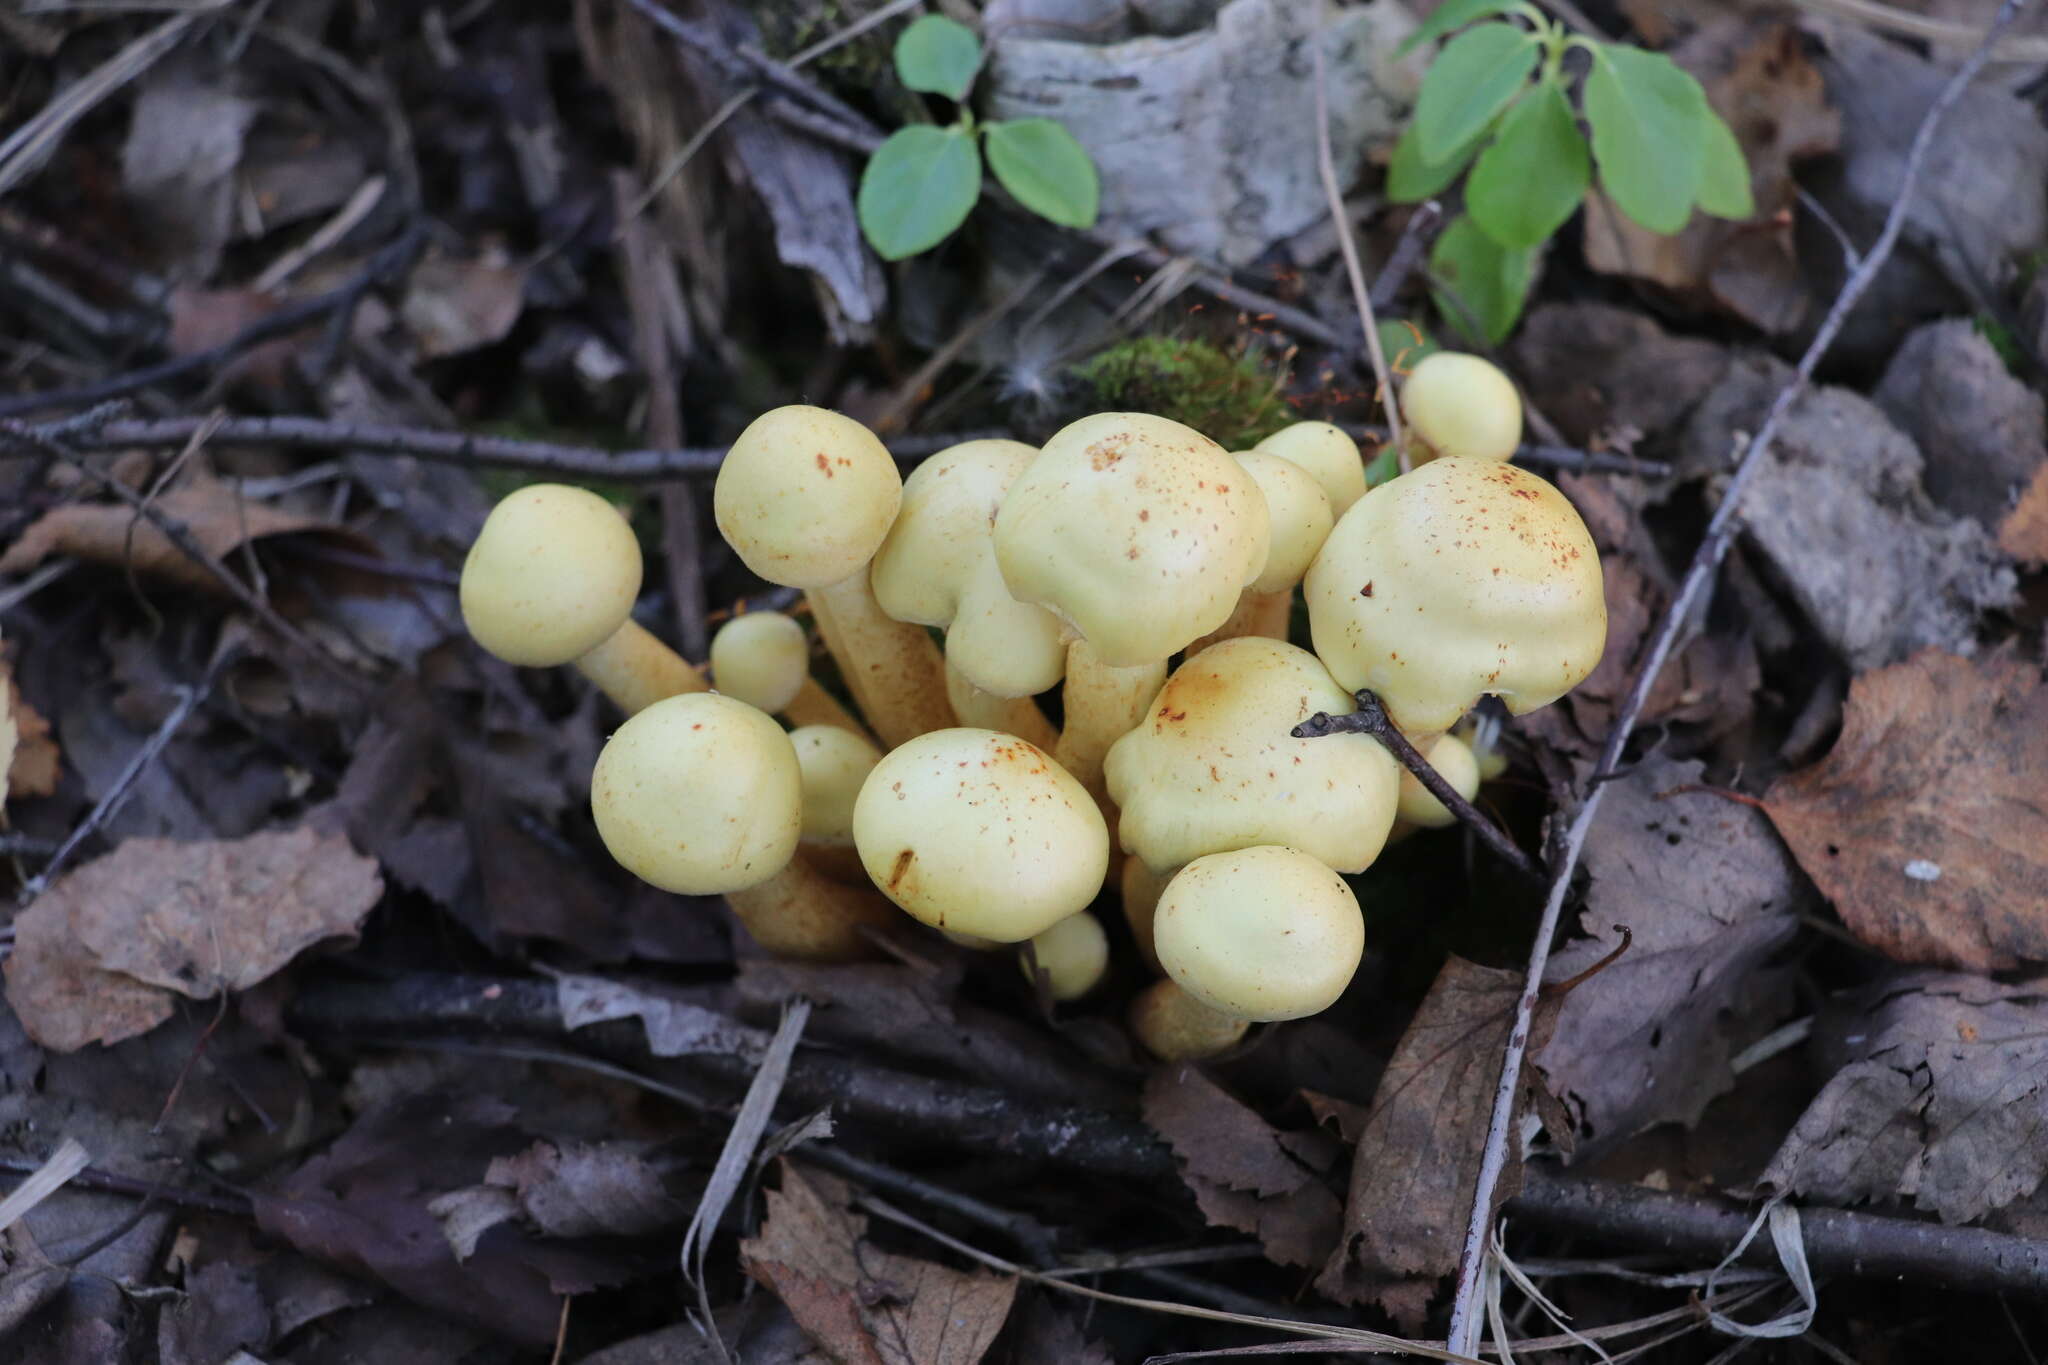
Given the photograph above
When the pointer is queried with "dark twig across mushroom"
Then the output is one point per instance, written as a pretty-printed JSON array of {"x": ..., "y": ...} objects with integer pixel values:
[{"x": 1371, "y": 719}]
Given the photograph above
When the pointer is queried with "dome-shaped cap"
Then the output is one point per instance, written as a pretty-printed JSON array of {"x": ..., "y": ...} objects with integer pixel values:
[
  {"x": 805, "y": 496},
  {"x": 1330, "y": 457},
  {"x": 1458, "y": 404},
  {"x": 551, "y": 576},
  {"x": 1261, "y": 933}
]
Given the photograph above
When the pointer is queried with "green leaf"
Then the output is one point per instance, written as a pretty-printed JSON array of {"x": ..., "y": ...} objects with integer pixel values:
[
  {"x": 1449, "y": 15},
  {"x": 917, "y": 188},
  {"x": 1039, "y": 162},
  {"x": 1384, "y": 466},
  {"x": 1646, "y": 114},
  {"x": 1484, "y": 282},
  {"x": 1532, "y": 177},
  {"x": 1404, "y": 344},
  {"x": 1724, "y": 180},
  {"x": 1470, "y": 81},
  {"x": 939, "y": 56},
  {"x": 1410, "y": 179}
]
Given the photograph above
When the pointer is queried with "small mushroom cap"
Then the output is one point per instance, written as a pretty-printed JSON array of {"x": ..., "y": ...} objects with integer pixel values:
[
  {"x": 762, "y": 658},
  {"x": 834, "y": 763},
  {"x": 1137, "y": 531},
  {"x": 699, "y": 794},
  {"x": 1213, "y": 768},
  {"x": 552, "y": 574},
  {"x": 1176, "y": 1027},
  {"x": 1298, "y": 513},
  {"x": 980, "y": 832},
  {"x": 806, "y": 495},
  {"x": 1454, "y": 762},
  {"x": 1462, "y": 578},
  {"x": 937, "y": 568},
  {"x": 1459, "y": 404},
  {"x": 1260, "y": 933},
  {"x": 1074, "y": 955},
  {"x": 1330, "y": 457}
]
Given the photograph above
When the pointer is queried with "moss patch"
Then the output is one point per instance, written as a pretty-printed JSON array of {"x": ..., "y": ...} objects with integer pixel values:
[{"x": 1231, "y": 396}]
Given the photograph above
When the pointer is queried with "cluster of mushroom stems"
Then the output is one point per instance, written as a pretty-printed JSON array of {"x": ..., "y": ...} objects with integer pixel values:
[{"x": 1088, "y": 564}]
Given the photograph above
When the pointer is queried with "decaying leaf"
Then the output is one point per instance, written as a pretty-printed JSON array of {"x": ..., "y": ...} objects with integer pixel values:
[
  {"x": 864, "y": 1305},
  {"x": 1244, "y": 1173},
  {"x": 1927, "y": 824},
  {"x": 675, "y": 1028},
  {"x": 2024, "y": 533},
  {"x": 97, "y": 954},
  {"x": 453, "y": 306},
  {"x": 33, "y": 769},
  {"x": 1709, "y": 896},
  {"x": 1940, "y": 1099},
  {"x": 178, "y": 165},
  {"x": 1418, "y": 1155},
  {"x": 586, "y": 1189}
]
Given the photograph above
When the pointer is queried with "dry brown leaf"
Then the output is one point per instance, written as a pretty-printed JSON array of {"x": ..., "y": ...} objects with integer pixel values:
[
  {"x": 1244, "y": 1173},
  {"x": 33, "y": 770},
  {"x": 2024, "y": 533},
  {"x": 866, "y": 1306},
  {"x": 455, "y": 305},
  {"x": 63, "y": 997},
  {"x": 1758, "y": 78},
  {"x": 1927, "y": 824},
  {"x": 218, "y": 517},
  {"x": 1418, "y": 1155}
]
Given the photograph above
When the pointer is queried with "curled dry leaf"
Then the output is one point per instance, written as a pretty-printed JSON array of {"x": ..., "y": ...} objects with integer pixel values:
[
  {"x": 2024, "y": 533},
  {"x": 1405, "y": 1217},
  {"x": 1244, "y": 1173},
  {"x": 97, "y": 954},
  {"x": 864, "y": 1305},
  {"x": 1709, "y": 896},
  {"x": 1927, "y": 823},
  {"x": 1940, "y": 1099}
]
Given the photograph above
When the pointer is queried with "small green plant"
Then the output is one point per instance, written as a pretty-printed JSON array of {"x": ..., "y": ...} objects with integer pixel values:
[
  {"x": 1231, "y": 396},
  {"x": 1497, "y": 100},
  {"x": 920, "y": 184}
]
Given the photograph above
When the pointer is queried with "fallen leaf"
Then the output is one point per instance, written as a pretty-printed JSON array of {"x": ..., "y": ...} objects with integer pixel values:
[
  {"x": 1927, "y": 823},
  {"x": 203, "y": 319},
  {"x": 34, "y": 768},
  {"x": 1043, "y": 1332},
  {"x": 1758, "y": 78},
  {"x": 586, "y": 1189},
  {"x": 1418, "y": 1155},
  {"x": 864, "y": 1305},
  {"x": 1709, "y": 897},
  {"x": 2024, "y": 533},
  {"x": 1244, "y": 1173},
  {"x": 219, "y": 518},
  {"x": 222, "y": 1312},
  {"x": 178, "y": 167},
  {"x": 675, "y": 1028},
  {"x": 454, "y": 305},
  {"x": 30, "y": 1280},
  {"x": 1939, "y": 1102},
  {"x": 1599, "y": 371},
  {"x": 63, "y": 997}
]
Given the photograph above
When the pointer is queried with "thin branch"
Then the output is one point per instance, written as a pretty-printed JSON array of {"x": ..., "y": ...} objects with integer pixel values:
[
  {"x": 1407, "y": 253},
  {"x": 1706, "y": 562},
  {"x": 1371, "y": 719}
]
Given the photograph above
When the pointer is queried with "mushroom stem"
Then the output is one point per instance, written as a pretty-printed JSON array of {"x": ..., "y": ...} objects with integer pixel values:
[
  {"x": 1258, "y": 613},
  {"x": 802, "y": 913},
  {"x": 1104, "y": 703},
  {"x": 636, "y": 670},
  {"x": 1017, "y": 716},
  {"x": 1176, "y": 1027},
  {"x": 813, "y": 705},
  {"x": 1141, "y": 886},
  {"x": 894, "y": 670}
]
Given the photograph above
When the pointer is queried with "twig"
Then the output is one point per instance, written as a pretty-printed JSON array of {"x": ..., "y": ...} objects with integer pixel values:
[
  {"x": 1407, "y": 253},
  {"x": 128, "y": 1187},
  {"x": 449, "y": 447},
  {"x": 1706, "y": 561},
  {"x": 117, "y": 795},
  {"x": 1371, "y": 719},
  {"x": 1564, "y": 457},
  {"x": 1326, "y": 167}
]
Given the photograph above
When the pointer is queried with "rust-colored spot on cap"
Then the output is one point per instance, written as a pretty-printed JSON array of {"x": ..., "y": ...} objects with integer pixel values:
[{"x": 903, "y": 862}]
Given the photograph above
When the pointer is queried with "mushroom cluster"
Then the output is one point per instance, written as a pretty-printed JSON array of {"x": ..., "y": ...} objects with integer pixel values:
[{"x": 1149, "y": 575}]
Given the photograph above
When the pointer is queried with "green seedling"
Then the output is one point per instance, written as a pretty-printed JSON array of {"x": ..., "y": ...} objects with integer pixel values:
[
  {"x": 921, "y": 183},
  {"x": 1497, "y": 107}
]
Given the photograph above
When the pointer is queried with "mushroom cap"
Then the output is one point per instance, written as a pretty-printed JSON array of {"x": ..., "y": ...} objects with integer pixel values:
[
  {"x": 1176, "y": 1027},
  {"x": 1074, "y": 954},
  {"x": 834, "y": 763},
  {"x": 980, "y": 832},
  {"x": 937, "y": 568},
  {"x": 1260, "y": 933},
  {"x": 1137, "y": 531},
  {"x": 1212, "y": 767},
  {"x": 1455, "y": 763},
  {"x": 1462, "y": 405},
  {"x": 1329, "y": 455},
  {"x": 1297, "y": 513},
  {"x": 551, "y": 576},
  {"x": 1462, "y": 578},
  {"x": 699, "y": 794},
  {"x": 762, "y": 658},
  {"x": 805, "y": 496}
]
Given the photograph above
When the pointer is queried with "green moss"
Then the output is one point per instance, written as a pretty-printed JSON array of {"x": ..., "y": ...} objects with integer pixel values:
[{"x": 1231, "y": 396}]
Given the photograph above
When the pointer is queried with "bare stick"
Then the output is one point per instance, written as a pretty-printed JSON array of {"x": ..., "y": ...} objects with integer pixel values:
[
  {"x": 1371, "y": 719},
  {"x": 1407, "y": 253},
  {"x": 1706, "y": 561}
]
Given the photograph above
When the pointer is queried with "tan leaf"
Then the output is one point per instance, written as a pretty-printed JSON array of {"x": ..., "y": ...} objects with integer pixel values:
[
  {"x": 1927, "y": 824},
  {"x": 866, "y": 1306},
  {"x": 1244, "y": 1173},
  {"x": 2024, "y": 533},
  {"x": 454, "y": 306},
  {"x": 218, "y": 517},
  {"x": 63, "y": 997},
  {"x": 200, "y": 918},
  {"x": 34, "y": 769}
]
